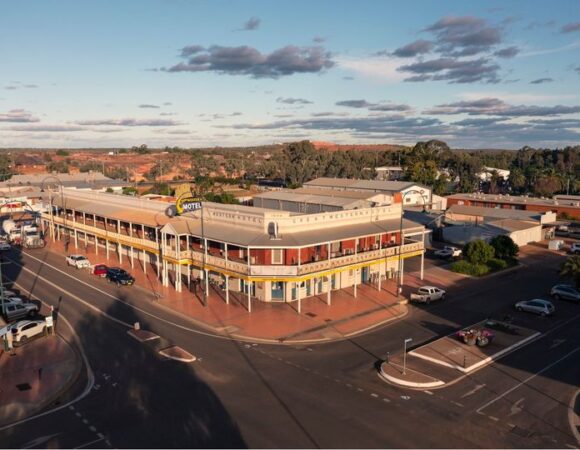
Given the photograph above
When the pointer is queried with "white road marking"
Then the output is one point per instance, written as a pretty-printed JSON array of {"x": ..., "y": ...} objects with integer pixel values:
[
  {"x": 136, "y": 308},
  {"x": 374, "y": 395},
  {"x": 428, "y": 392},
  {"x": 93, "y": 428},
  {"x": 493, "y": 418},
  {"x": 473, "y": 391},
  {"x": 90, "y": 443},
  {"x": 516, "y": 408},
  {"x": 531, "y": 377},
  {"x": 386, "y": 400},
  {"x": 556, "y": 343}
]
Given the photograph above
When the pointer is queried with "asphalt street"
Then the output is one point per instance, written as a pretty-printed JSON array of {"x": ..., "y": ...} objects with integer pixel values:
[{"x": 329, "y": 395}]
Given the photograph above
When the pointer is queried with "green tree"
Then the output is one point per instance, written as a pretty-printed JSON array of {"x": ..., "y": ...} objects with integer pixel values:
[
  {"x": 517, "y": 179},
  {"x": 110, "y": 190},
  {"x": 571, "y": 268},
  {"x": 62, "y": 153},
  {"x": 478, "y": 252},
  {"x": 5, "y": 167},
  {"x": 129, "y": 190},
  {"x": 504, "y": 247}
]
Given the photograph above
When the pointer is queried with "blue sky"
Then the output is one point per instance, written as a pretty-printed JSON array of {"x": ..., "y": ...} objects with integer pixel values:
[{"x": 191, "y": 73}]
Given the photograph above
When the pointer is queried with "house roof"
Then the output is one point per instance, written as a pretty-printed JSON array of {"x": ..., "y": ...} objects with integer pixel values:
[
  {"x": 372, "y": 185},
  {"x": 568, "y": 201},
  {"x": 495, "y": 212}
]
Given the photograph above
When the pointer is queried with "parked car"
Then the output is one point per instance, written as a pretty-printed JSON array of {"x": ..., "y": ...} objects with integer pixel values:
[
  {"x": 119, "y": 276},
  {"x": 78, "y": 261},
  {"x": 7, "y": 293},
  {"x": 5, "y": 246},
  {"x": 13, "y": 299},
  {"x": 536, "y": 306},
  {"x": 16, "y": 311},
  {"x": 575, "y": 248},
  {"x": 427, "y": 294},
  {"x": 448, "y": 252},
  {"x": 25, "y": 330},
  {"x": 566, "y": 292},
  {"x": 100, "y": 270}
]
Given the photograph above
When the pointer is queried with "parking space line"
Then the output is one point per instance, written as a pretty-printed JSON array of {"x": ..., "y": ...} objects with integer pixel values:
[
  {"x": 531, "y": 377},
  {"x": 90, "y": 443}
]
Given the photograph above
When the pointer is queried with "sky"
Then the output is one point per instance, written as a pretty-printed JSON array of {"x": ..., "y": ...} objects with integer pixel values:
[{"x": 475, "y": 74}]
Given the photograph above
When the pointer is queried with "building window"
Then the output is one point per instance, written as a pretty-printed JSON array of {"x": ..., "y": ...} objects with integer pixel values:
[{"x": 277, "y": 256}]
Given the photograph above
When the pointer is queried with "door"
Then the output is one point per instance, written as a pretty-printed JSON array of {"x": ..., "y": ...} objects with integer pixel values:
[{"x": 365, "y": 274}]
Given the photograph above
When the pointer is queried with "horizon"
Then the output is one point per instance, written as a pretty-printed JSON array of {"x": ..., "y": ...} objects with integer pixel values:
[{"x": 490, "y": 76}]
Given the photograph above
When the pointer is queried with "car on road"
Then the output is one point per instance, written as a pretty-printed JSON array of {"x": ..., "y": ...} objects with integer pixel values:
[
  {"x": 13, "y": 299},
  {"x": 78, "y": 261},
  {"x": 100, "y": 270},
  {"x": 5, "y": 246},
  {"x": 25, "y": 330},
  {"x": 427, "y": 294},
  {"x": 575, "y": 248},
  {"x": 14, "y": 311},
  {"x": 448, "y": 252},
  {"x": 119, "y": 276},
  {"x": 565, "y": 292},
  {"x": 537, "y": 306}
]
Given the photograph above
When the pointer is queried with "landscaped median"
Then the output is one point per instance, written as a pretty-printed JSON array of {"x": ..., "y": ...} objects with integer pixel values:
[{"x": 447, "y": 359}]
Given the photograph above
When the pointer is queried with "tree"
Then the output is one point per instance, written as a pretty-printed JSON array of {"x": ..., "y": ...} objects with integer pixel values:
[
  {"x": 517, "y": 179},
  {"x": 478, "y": 252},
  {"x": 504, "y": 247},
  {"x": 571, "y": 268},
  {"x": 62, "y": 153},
  {"x": 5, "y": 169},
  {"x": 110, "y": 190},
  {"x": 129, "y": 190}
]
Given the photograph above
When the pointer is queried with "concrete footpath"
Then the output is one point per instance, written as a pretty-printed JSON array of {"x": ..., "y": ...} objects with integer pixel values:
[{"x": 34, "y": 376}]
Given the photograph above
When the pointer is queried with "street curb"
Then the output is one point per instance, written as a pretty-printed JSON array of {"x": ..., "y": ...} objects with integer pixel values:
[
  {"x": 409, "y": 384},
  {"x": 575, "y": 400},
  {"x": 481, "y": 363}
]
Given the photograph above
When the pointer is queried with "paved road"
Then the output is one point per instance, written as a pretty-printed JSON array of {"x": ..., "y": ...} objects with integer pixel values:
[{"x": 327, "y": 395}]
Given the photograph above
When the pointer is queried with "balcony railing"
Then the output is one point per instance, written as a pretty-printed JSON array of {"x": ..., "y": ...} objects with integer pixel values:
[{"x": 110, "y": 235}]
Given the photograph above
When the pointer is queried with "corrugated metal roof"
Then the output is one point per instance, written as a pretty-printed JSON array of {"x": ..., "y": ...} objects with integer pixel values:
[
  {"x": 246, "y": 237},
  {"x": 495, "y": 212},
  {"x": 374, "y": 185}
]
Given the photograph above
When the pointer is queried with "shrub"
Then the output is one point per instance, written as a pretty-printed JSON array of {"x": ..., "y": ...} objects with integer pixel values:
[
  {"x": 496, "y": 264},
  {"x": 478, "y": 252},
  {"x": 468, "y": 268},
  {"x": 504, "y": 246}
]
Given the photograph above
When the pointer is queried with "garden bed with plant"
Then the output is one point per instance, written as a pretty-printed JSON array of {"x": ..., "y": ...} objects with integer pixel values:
[{"x": 481, "y": 258}]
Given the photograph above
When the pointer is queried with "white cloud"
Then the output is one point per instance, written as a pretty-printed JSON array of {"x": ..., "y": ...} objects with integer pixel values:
[
  {"x": 523, "y": 97},
  {"x": 382, "y": 69}
]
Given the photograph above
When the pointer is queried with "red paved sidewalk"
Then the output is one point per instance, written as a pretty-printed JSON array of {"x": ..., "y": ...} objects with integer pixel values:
[
  {"x": 60, "y": 366},
  {"x": 275, "y": 322}
]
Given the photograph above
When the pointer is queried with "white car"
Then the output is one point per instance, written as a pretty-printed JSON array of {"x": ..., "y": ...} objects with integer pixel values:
[
  {"x": 536, "y": 306},
  {"x": 427, "y": 294},
  {"x": 25, "y": 330},
  {"x": 78, "y": 261},
  {"x": 448, "y": 252},
  {"x": 575, "y": 248},
  {"x": 5, "y": 246}
]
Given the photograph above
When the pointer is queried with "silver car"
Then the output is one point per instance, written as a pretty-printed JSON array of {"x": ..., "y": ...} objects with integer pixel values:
[
  {"x": 536, "y": 306},
  {"x": 15, "y": 311},
  {"x": 565, "y": 292}
]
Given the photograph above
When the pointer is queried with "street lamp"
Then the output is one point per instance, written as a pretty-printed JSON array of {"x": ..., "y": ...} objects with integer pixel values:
[
  {"x": 412, "y": 191},
  {"x": 407, "y": 341}
]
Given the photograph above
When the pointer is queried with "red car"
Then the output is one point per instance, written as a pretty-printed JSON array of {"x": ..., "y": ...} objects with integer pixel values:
[{"x": 100, "y": 270}]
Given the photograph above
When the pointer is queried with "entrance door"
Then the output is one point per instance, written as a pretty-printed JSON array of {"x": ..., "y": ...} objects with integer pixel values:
[{"x": 365, "y": 274}]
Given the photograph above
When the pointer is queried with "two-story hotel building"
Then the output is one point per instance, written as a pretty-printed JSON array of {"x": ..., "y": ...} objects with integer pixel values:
[{"x": 266, "y": 255}]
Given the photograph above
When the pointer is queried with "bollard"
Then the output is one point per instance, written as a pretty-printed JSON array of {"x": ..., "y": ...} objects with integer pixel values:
[
  {"x": 464, "y": 361},
  {"x": 136, "y": 326}
]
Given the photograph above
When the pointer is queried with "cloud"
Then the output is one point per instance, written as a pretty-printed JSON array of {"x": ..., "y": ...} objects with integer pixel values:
[
  {"x": 245, "y": 60},
  {"x": 508, "y": 52},
  {"x": 18, "y": 116},
  {"x": 318, "y": 39},
  {"x": 542, "y": 81},
  {"x": 253, "y": 23},
  {"x": 329, "y": 113},
  {"x": 130, "y": 122},
  {"x": 354, "y": 103},
  {"x": 535, "y": 24},
  {"x": 47, "y": 128},
  {"x": 415, "y": 48},
  {"x": 19, "y": 85},
  {"x": 145, "y": 105},
  {"x": 453, "y": 70},
  {"x": 390, "y": 107},
  {"x": 293, "y": 101},
  {"x": 570, "y": 27},
  {"x": 577, "y": 69},
  {"x": 167, "y": 104},
  {"x": 348, "y": 78},
  {"x": 464, "y": 35},
  {"x": 496, "y": 107},
  {"x": 167, "y": 114}
]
